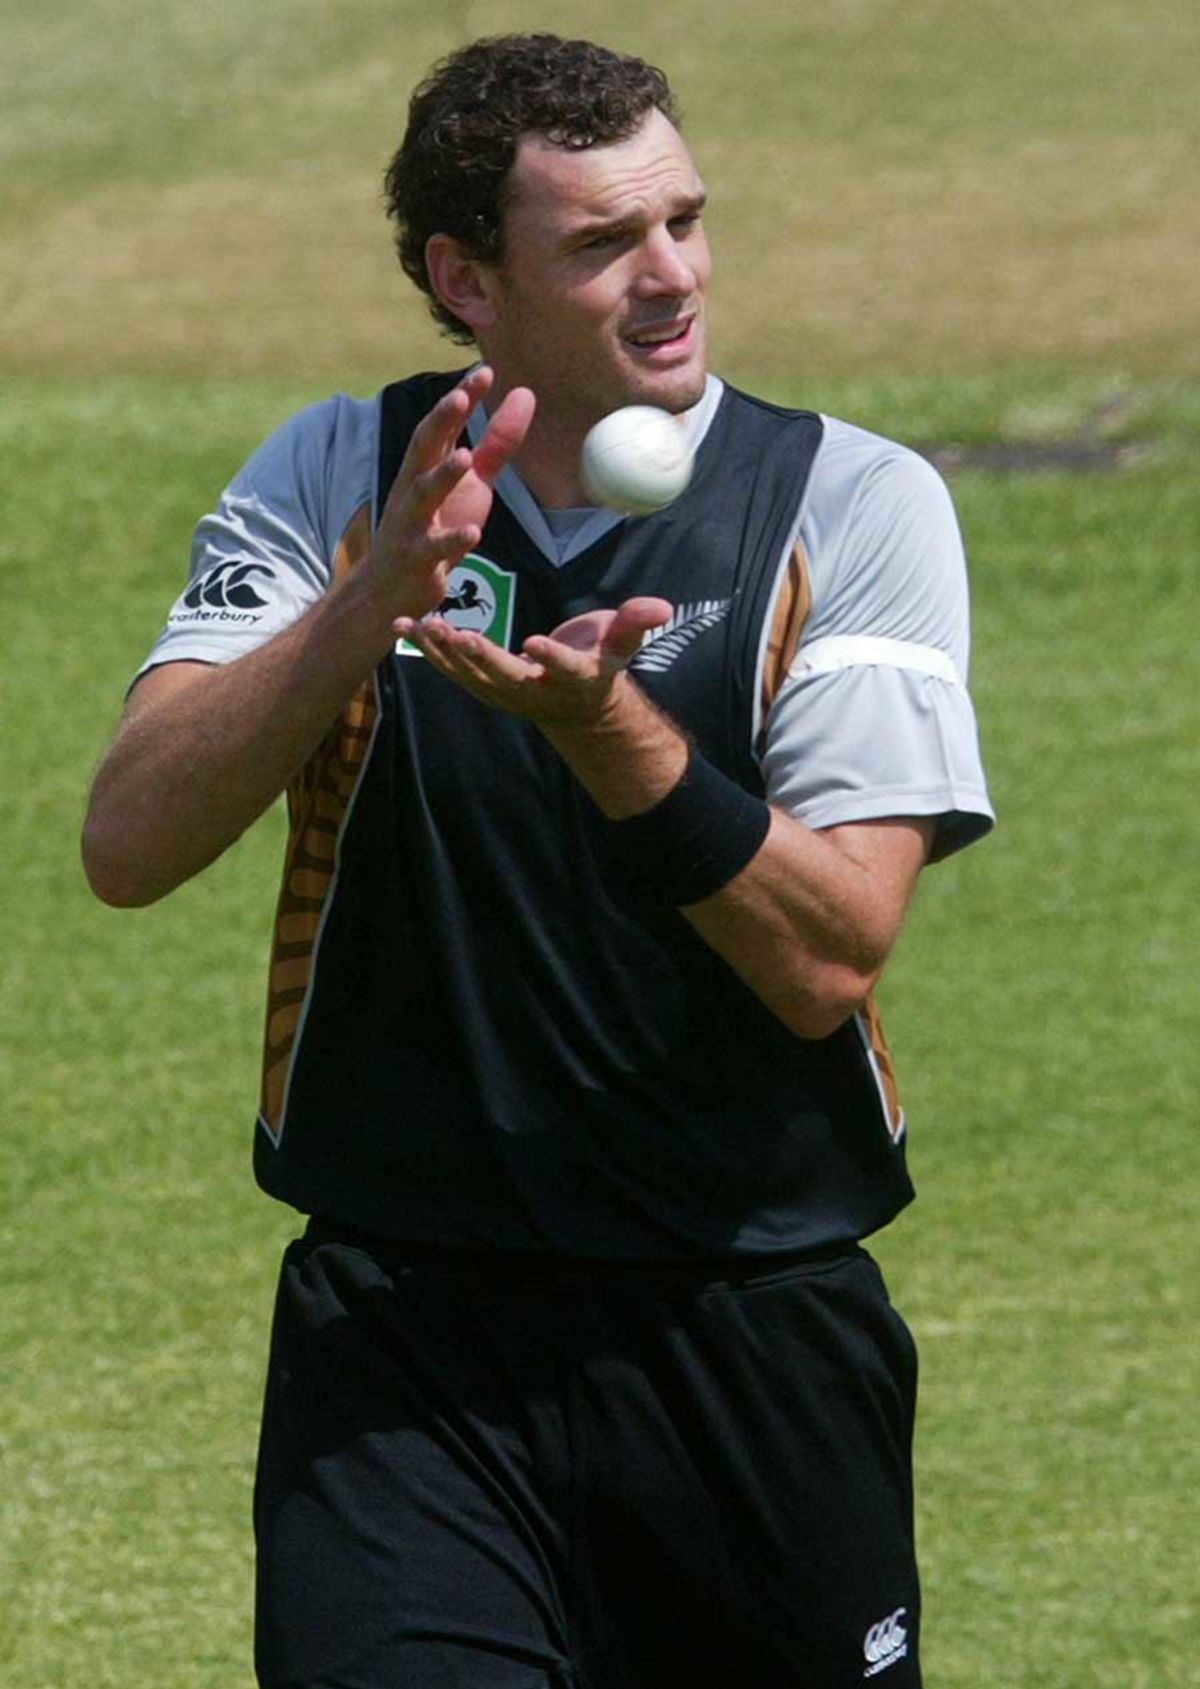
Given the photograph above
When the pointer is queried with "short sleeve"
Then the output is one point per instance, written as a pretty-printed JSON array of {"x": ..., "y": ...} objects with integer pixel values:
[
  {"x": 873, "y": 718},
  {"x": 264, "y": 554}
]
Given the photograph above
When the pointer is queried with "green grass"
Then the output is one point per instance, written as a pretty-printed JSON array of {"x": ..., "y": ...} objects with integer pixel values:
[
  {"x": 136, "y": 1257},
  {"x": 951, "y": 223},
  {"x": 929, "y": 187},
  {"x": 1045, "y": 1003},
  {"x": 1042, "y": 1006}
]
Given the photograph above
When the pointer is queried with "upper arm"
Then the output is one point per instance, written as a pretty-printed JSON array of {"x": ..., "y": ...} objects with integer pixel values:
[
  {"x": 266, "y": 552},
  {"x": 873, "y": 719},
  {"x": 164, "y": 680},
  {"x": 151, "y": 691}
]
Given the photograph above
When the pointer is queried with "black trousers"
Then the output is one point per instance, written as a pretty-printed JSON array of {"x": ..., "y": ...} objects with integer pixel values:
[{"x": 506, "y": 1474}]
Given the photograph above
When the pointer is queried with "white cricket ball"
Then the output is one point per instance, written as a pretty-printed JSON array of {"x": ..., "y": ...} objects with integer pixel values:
[{"x": 636, "y": 460}]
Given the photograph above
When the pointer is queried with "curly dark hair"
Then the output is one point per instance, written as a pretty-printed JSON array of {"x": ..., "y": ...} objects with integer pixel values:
[{"x": 465, "y": 121}]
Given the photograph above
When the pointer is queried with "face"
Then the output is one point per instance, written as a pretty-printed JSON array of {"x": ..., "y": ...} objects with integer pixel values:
[{"x": 600, "y": 299}]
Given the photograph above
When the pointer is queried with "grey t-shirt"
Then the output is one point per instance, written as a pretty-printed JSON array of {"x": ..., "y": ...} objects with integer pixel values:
[{"x": 872, "y": 718}]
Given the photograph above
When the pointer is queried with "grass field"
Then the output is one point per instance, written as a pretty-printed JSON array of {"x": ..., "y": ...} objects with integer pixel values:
[{"x": 964, "y": 223}]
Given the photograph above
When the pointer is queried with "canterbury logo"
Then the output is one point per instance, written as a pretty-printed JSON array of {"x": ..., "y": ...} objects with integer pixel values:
[
  {"x": 688, "y": 621},
  {"x": 885, "y": 1643},
  {"x": 228, "y": 587}
]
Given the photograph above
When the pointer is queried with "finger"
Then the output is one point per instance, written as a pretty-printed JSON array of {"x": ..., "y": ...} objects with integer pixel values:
[
  {"x": 484, "y": 668},
  {"x": 505, "y": 434},
  {"x": 633, "y": 620},
  {"x": 559, "y": 658},
  {"x": 459, "y": 646},
  {"x": 438, "y": 546},
  {"x": 430, "y": 490},
  {"x": 434, "y": 435},
  {"x": 453, "y": 544},
  {"x": 437, "y": 433},
  {"x": 479, "y": 656},
  {"x": 584, "y": 632}
]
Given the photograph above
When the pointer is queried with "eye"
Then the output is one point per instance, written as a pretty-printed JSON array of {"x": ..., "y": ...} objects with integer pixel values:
[{"x": 603, "y": 239}]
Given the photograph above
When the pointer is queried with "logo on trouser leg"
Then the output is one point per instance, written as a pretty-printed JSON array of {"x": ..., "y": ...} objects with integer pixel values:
[{"x": 885, "y": 1643}]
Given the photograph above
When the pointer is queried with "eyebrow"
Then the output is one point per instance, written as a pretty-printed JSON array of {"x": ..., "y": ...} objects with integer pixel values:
[{"x": 688, "y": 206}]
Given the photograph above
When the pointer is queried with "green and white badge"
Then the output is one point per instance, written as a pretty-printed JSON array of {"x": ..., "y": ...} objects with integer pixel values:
[{"x": 480, "y": 598}]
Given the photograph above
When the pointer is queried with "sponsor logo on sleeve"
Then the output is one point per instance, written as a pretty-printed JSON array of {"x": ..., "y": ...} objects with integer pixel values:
[
  {"x": 227, "y": 593},
  {"x": 480, "y": 598}
]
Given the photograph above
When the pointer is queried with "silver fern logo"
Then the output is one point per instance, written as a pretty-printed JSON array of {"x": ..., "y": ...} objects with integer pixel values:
[{"x": 662, "y": 645}]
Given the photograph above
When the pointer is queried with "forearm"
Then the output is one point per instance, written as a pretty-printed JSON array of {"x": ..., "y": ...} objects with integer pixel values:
[
  {"x": 805, "y": 918},
  {"x": 809, "y": 919},
  {"x": 807, "y": 926},
  {"x": 628, "y": 756},
  {"x": 202, "y": 751}
]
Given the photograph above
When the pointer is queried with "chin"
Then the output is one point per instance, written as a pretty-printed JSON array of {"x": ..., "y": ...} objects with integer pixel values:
[{"x": 674, "y": 390}]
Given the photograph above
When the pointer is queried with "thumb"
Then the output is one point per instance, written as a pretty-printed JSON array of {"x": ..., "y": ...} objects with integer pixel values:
[{"x": 631, "y": 622}]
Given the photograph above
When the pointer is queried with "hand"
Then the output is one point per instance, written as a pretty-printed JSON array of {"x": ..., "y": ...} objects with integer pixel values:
[
  {"x": 442, "y": 495},
  {"x": 563, "y": 678}
]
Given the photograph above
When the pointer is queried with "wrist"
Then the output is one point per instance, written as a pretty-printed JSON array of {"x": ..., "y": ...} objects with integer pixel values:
[
  {"x": 695, "y": 839},
  {"x": 369, "y": 606},
  {"x": 625, "y": 751}
]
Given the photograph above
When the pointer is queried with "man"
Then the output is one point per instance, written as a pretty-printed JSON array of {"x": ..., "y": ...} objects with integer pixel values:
[{"x": 601, "y": 833}]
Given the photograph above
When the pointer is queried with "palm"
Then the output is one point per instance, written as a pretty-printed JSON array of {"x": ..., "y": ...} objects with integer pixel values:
[
  {"x": 611, "y": 637},
  {"x": 440, "y": 500}
]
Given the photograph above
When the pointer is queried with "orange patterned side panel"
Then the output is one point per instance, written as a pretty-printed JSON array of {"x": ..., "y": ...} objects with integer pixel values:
[
  {"x": 317, "y": 801},
  {"x": 791, "y": 611},
  {"x": 787, "y": 620}
]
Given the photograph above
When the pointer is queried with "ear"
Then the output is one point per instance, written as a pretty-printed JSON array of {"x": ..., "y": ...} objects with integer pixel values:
[{"x": 464, "y": 285}]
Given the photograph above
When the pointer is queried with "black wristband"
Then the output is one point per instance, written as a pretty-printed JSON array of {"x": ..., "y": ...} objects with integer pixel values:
[{"x": 693, "y": 841}]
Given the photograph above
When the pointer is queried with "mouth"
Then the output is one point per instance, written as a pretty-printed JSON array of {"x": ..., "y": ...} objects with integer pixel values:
[{"x": 660, "y": 342}]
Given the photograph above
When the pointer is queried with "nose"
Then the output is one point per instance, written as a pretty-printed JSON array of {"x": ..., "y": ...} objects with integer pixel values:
[{"x": 665, "y": 269}]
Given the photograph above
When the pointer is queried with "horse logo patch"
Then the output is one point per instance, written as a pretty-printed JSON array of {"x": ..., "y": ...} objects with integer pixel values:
[{"x": 480, "y": 598}]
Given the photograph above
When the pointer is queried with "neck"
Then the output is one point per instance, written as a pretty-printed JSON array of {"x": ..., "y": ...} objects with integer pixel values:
[
  {"x": 548, "y": 459},
  {"x": 550, "y": 469}
]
